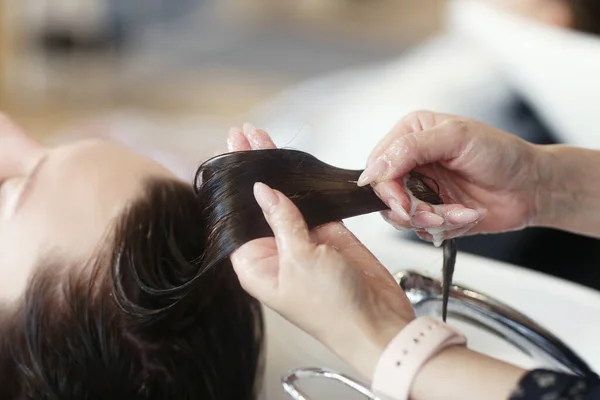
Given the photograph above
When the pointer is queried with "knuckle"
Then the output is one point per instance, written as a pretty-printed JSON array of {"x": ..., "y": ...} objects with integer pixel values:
[
  {"x": 323, "y": 252},
  {"x": 460, "y": 125},
  {"x": 416, "y": 115},
  {"x": 401, "y": 146},
  {"x": 394, "y": 221},
  {"x": 407, "y": 142},
  {"x": 419, "y": 120}
]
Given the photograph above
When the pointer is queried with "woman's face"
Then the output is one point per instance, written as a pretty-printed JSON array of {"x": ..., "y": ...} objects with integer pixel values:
[{"x": 60, "y": 200}]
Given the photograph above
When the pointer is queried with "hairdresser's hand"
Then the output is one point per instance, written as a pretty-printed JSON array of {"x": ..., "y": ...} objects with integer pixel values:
[
  {"x": 488, "y": 178},
  {"x": 252, "y": 138},
  {"x": 249, "y": 138},
  {"x": 325, "y": 281}
]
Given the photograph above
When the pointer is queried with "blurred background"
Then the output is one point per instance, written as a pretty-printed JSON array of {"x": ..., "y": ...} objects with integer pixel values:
[{"x": 67, "y": 60}]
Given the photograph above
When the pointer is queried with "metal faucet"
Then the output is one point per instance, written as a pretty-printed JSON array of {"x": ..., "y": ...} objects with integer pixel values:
[{"x": 425, "y": 295}]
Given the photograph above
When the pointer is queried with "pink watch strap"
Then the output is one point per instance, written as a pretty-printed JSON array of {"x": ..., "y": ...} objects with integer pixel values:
[{"x": 404, "y": 356}]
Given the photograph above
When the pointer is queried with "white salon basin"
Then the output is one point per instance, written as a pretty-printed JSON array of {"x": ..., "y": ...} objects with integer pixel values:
[{"x": 569, "y": 311}]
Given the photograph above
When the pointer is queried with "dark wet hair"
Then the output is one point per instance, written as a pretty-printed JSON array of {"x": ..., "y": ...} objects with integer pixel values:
[
  {"x": 160, "y": 313},
  {"x": 113, "y": 332}
]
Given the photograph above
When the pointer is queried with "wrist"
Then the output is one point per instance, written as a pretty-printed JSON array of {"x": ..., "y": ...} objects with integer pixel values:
[
  {"x": 361, "y": 345},
  {"x": 544, "y": 186},
  {"x": 566, "y": 193},
  {"x": 556, "y": 186},
  {"x": 408, "y": 353},
  {"x": 439, "y": 378}
]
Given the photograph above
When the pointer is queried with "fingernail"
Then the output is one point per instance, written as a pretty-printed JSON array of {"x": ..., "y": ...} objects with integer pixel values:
[
  {"x": 463, "y": 216},
  {"x": 235, "y": 135},
  {"x": 387, "y": 217},
  {"x": 399, "y": 210},
  {"x": 265, "y": 196},
  {"x": 249, "y": 128},
  {"x": 372, "y": 172},
  {"x": 425, "y": 219},
  {"x": 255, "y": 140}
]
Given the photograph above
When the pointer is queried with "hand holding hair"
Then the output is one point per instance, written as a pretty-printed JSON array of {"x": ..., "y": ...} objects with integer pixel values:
[
  {"x": 490, "y": 181},
  {"x": 355, "y": 305},
  {"x": 324, "y": 281},
  {"x": 487, "y": 178},
  {"x": 328, "y": 284}
]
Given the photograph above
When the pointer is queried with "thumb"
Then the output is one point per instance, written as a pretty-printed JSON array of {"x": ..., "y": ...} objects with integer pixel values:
[{"x": 444, "y": 142}]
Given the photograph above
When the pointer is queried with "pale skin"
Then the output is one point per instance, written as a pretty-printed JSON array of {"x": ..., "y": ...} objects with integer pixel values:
[
  {"x": 60, "y": 200},
  {"x": 511, "y": 184},
  {"x": 326, "y": 266},
  {"x": 82, "y": 187},
  {"x": 512, "y": 187}
]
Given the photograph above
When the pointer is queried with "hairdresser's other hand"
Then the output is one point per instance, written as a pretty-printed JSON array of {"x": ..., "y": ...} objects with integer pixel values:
[
  {"x": 325, "y": 282},
  {"x": 249, "y": 138},
  {"x": 252, "y": 138},
  {"x": 487, "y": 178}
]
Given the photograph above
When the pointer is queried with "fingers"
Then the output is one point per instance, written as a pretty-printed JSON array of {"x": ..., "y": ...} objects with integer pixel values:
[
  {"x": 448, "y": 220},
  {"x": 289, "y": 227},
  {"x": 439, "y": 144},
  {"x": 448, "y": 216},
  {"x": 256, "y": 263},
  {"x": 250, "y": 138},
  {"x": 451, "y": 234},
  {"x": 394, "y": 195},
  {"x": 427, "y": 219},
  {"x": 425, "y": 236},
  {"x": 408, "y": 214},
  {"x": 462, "y": 216},
  {"x": 237, "y": 141},
  {"x": 339, "y": 237},
  {"x": 258, "y": 139},
  {"x": 414, "y": 122}
]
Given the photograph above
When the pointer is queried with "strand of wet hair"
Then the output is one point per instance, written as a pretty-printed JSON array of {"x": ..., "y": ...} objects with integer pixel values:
[
  {"x": 323, "y": 193},
  {"x": 417, "y": 184}
]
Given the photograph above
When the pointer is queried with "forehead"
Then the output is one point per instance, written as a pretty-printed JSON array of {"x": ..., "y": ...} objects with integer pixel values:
[
  {"x": 78, "y": 192},
  {"x": 100, "y": 159},
  {"x": 91, "y": 179}
]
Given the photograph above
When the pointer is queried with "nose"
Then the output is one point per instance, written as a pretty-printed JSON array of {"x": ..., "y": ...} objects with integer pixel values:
[{"x": 18, "y": 151}]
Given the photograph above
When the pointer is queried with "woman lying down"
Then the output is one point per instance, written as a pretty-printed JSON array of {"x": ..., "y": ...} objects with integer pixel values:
[{"x": 115, "y": 279}]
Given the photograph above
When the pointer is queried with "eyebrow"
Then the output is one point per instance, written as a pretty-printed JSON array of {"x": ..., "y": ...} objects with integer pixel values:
[{"x": 30, "y": 181}]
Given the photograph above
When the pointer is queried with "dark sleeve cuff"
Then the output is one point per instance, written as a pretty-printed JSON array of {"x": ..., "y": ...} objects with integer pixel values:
[{"x": 545, "y": 384}]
